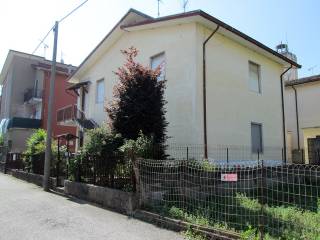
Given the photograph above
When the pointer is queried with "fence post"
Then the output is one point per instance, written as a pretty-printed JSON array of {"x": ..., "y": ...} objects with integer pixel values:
[
  {"x": 94, "y": 170},
  {"x": 227, "y": 156},
  {"x": 184, "y": 169},
  {"x": 187, "y": 153},
  {"x": 5, "y": 162},
  {"x": 58, "y": 162},
  {"x": 261, "y": 186}
]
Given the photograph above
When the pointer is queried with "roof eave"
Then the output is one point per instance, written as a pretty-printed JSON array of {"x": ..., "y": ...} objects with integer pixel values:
[
  {"x": 221, "y": 24},
  {"x": 131, "y": 10}
]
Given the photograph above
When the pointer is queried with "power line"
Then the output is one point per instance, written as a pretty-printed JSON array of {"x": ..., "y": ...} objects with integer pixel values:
[
  {"x": 73, "y": 11},
  {"x": 42, "y": 40}
]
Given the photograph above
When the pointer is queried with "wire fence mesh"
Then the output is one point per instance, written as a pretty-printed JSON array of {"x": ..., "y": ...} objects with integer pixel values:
[
  {"x": 113, "y": 171},
  {"x": 219, "y": 154},
  {"x": 276, "y": 201}
]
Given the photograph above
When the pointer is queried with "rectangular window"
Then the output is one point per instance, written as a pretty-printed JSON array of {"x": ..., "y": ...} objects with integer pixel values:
[
  {"x": 159, "y": 61},
  {"x": 256, "y": 137},
  {"x": 254, "y": 77},
  {"x": 100, "y": 91}
]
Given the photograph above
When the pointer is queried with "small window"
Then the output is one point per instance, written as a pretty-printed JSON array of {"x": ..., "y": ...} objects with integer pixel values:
[
  {"x": 159, "y": 60},
  {"x": 100, "y": 91},
  {"x": 256, "y": 137},
  {"x": 254, "y": 77}
]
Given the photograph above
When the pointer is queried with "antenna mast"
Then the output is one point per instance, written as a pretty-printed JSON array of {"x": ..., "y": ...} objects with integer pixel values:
[
  {"x": 45, "y": 47},
  {"x": 184, "y": 4},
  {"x": 158, "y": 7}
]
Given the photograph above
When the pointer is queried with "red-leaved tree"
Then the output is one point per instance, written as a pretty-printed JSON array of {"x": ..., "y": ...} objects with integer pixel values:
[{"x": 139, "y": 102}]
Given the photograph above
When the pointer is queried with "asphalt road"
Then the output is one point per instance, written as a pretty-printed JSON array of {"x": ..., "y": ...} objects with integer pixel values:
[{"x": 28, "y": 213}]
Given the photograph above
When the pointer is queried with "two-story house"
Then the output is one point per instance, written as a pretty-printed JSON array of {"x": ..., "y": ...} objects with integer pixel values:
[
  {"x": 25, "y": 92},
  {"x": 303, "y": 118},
  {"x": 223, "y": 87}
]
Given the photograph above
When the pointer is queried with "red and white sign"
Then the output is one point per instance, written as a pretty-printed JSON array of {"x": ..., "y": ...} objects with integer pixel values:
[{"x": 229, "y": 177}]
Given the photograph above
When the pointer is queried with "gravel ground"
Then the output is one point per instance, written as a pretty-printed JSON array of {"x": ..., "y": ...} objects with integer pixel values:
[{"x": 29, "y": 213}]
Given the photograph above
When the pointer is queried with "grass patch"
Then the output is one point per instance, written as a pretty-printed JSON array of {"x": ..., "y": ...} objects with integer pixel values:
[{"x": 245, "y": 216}]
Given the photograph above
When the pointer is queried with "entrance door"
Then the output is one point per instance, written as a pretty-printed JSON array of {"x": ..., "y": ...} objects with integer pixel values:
[{"x": 314, "y": 150}]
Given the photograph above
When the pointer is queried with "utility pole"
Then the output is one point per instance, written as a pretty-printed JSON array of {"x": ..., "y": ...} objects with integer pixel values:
[{"x": 48, "y": 152}]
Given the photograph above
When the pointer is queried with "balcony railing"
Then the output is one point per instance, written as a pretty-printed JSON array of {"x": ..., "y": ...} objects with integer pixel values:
[
  {"x": 72, "y": 116},
  {"x": 69, "y": 113},
  {"x": 18, "y": 122},
  {"x": 32, "y": 94}
]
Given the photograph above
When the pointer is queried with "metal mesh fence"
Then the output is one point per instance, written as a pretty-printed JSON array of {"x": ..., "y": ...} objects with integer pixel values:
[
  {"x": 220, "y": 154},
  {"x": 112, "y": 171},
  {"x": 276, "y": 201}
]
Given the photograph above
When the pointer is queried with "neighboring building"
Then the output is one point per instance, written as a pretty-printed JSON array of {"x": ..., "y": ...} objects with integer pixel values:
[
  {"x": 303, "y": 118},
  {"x": 25, "y": 92},
  {"x": 240, "y": 86}
]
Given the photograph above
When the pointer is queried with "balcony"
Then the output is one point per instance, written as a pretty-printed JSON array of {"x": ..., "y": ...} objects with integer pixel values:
[
  {"x": 33, "y": 96},
  {"x": 18, "y": 122},
  {"x": 72, "y": 116}
]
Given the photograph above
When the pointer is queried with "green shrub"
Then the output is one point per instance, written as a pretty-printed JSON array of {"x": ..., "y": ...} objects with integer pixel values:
[
  {"x": 142, "y": 147},
  {"x": 73, "y": 166},
  {"x": 101, "y": 141},
  {"x": 204, "y": 165},
  {"x": 250, "y": 234},
  {"x": 36, "y": 147},
  {"x": 1, "y": 140},
  {"x": 190, "y": 234}
]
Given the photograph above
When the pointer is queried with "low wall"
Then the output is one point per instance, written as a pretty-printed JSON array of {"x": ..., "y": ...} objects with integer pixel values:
[
  {"x": 32, "y": 178},
  {"x": 125, "y": 202}
]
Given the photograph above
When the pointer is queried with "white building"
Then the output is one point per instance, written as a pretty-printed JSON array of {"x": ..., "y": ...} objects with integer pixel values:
[{"x": 223, "y": 87}]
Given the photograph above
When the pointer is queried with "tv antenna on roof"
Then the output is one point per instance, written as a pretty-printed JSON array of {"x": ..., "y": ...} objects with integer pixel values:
[
  {"x": 45, "y": 47},
  {"x": 184, "y": 4},
  {"x": 159, "y": 1},
  {"x": 312, "y": 68}
]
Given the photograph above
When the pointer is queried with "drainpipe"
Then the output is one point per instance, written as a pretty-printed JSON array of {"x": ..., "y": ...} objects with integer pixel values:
[
  {"x": 205, "y": 93},
  {"x": 297, "y": 114},
  {"x": 283, "y": 117}
]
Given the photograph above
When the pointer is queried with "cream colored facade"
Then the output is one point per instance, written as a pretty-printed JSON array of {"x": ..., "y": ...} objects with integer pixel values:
[
  {"x": 308, "y": 97},
  {"x": 231, "y": 106}
]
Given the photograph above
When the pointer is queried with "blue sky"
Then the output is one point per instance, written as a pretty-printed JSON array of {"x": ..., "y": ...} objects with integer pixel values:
[{"x": 24, "y": 23}]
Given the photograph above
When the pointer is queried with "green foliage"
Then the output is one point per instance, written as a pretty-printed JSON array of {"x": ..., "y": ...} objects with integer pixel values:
[
  {"x": 247, "y": 203},
  {"x": 36, "y": 146},
  {"x": 190, "y": 234},
  {"x": 195, "y": 218},
  {"x": 138, "y": 101},
  {"x": 204, "y": 165},
  {"x": 176, "y": 213},
  {"x": 100, "y": 155},
  {"x": 281, "y": 222},
  {"x": 1, "y": 140},
  {"x": 250, "y": 234},
  {"x": 74, "y": 164},
  {"x": 36, "y": 143},
  {"x": 300, "y": 224},
  {"x": 141, "y": 147},
  {"x": 101, "y": 141}
]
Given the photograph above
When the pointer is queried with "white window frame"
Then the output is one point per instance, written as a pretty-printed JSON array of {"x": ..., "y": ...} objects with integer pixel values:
[
  {"x": 259, "y": 90},
  {"x": 162, "y": 75},
  {"x": 99, "y": 101}
]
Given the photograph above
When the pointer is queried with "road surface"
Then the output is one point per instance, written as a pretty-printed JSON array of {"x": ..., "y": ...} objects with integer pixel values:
[{"x": 28, "y": 213}]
